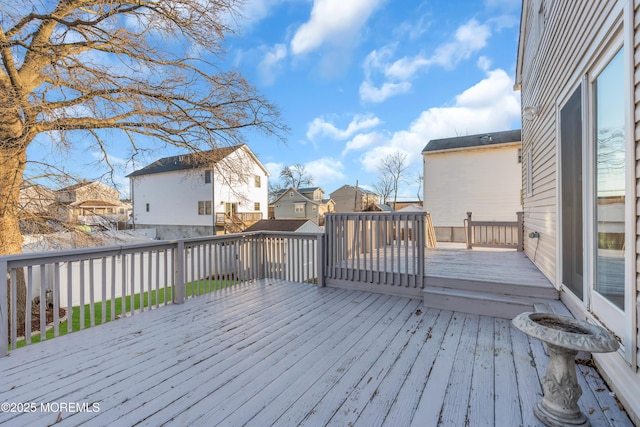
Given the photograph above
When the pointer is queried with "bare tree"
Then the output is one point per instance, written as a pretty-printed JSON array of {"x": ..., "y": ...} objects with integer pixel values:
[
  {"x": 394, "y": 166},
  {"x": 384, "y": 187},
  {"x": 275, "y": 189},
  {"x": 419, "y": 179},
  {"x": 295, "y": 176},
  {"x": 75, "y": 69}
]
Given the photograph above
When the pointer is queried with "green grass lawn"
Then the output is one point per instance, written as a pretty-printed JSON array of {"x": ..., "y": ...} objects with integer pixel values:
[{"x": 193, "y": 288}]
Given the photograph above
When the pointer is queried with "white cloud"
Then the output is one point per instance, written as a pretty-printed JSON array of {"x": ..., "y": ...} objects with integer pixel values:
[
  {"x": 363, "y": 140},
  {"x": 254, "y": 11},
  {"x": 325, "y": 171},
  {"x": 270, "y": 64},
  {"x": 468, "y": 39},
  {"x": 274, "y": 169},
  {"x": 489, "y": 105},
  {"x": 484, "y": 63},
  {"x": 321, "y": 127},
  {"x": 332, "y": 21},
  {"x": 370, "y": 93}
]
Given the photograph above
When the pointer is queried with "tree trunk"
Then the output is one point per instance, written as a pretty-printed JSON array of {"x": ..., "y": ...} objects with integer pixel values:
[{"x": 12, "y": 164}]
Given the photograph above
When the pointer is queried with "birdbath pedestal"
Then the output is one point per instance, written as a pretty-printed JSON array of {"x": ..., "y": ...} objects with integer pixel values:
[{"x": 564, "y": 337}]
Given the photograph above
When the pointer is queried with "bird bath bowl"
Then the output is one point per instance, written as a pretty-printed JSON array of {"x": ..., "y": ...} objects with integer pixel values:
[{"x": 564, "y": 337}]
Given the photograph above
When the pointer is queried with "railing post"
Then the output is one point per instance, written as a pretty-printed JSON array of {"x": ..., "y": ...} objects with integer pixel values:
[
  {"x": 263, "y": 256},
  {"x": 178, "y": 273},
  {"x": 520, "y": 231},
  {"x": 4, "y": 310},
  {"x": 320, "y": 260},
  {"x": 469, "y": 232}
]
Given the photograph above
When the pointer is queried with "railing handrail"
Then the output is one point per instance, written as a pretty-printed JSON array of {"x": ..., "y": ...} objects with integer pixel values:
[
  {"x": 518, "y": 224},
  {"x": 250, "y": 255}
]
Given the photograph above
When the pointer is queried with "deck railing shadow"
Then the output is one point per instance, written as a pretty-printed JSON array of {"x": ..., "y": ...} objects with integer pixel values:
[{"x": 105, "y": 283}]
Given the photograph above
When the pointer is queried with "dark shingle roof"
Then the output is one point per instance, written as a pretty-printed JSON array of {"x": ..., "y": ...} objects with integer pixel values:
[
  {"x": 479, "y": 140},
  {"x": 307, "y": 189},
  {"x": 277, "y": 225},
  {"x": 185, "y": 161}
]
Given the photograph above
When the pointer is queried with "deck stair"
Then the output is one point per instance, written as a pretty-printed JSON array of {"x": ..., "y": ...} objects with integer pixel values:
[{"x": 487, "y": 295}]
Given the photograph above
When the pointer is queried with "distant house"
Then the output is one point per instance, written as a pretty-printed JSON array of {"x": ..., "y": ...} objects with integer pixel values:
[
  {"x": 480, "y": 173},
  {"x": 36, "y": 199},
  {"x": 578, "y": 71},
  {"x": 297, "y": 203},
  {"x": 288, "y": 225},
  {"x": 410, "y": 207},
  {"x": 89, "y": 203},
  {"x": 355, "y": 199},
  {"x": 219, "y": 191}
]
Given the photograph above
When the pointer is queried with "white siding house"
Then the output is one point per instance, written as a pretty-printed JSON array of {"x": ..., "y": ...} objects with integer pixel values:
[
  {"x": 578, "y": 71},
  {"x": 476, "y": 173},
  {"x": 224, "y": 190}
]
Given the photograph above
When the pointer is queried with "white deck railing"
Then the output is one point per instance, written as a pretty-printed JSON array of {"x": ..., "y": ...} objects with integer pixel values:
[
  {"x": 123, "y": 280},
  {"x": 497, "y": 234},
  {"x": 375, "y": 251}
]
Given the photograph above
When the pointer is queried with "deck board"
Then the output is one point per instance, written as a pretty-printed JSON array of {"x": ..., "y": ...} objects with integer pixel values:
[{"x": 279, "y": 353}]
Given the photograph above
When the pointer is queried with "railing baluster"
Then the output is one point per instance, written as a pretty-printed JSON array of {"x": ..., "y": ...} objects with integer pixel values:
[
  {"x": 43, "y": 304},
  {"x": 104, "y": 290},
  {"x": 149, "y": 280},
  {"x": 27, "y": 321},
  {"x": 92, "y": 309},
  {"x": 55, "y": 294},
  {"x": 69, "y": 297},
  {"x": 132, "y": 297},
  {"x": 14, "y": 311},
  {"x": 82, "y": 308},
  {"x": 157, "y": 281},
  {"x": 113, "y": 288}
]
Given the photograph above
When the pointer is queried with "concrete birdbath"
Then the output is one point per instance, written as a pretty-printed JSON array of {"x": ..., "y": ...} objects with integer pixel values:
[{"x": 564, "y": 337}]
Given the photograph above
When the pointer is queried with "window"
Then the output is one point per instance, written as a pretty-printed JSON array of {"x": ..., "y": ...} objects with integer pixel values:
[
  {"x": 204, "y": 207},
  {"x": 147, "y": 207},
  {"x": 610, "y": 182},
  {"x": 299, "y": 208},
  {"x": 519, "y": 155},
  {"x": 256, "y": 206},
  {"x": 207, "y": 177},
  {"x": 291, "y": 195},
  {"x": 258, "y": 183}
]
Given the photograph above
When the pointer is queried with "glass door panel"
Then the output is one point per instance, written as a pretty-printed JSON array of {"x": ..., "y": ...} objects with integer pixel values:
[{"x": 610, "y": 160}]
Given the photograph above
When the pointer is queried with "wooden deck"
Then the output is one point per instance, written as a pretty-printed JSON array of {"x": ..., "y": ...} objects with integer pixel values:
[
  {"x": 483, "y": 264},
  {"x": 281, "y": 353}
]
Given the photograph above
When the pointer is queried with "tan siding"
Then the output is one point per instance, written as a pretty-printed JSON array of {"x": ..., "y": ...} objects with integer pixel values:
[
  {"x": 575, "y": 33},
  {"x": 558, "y": 55},
  {"x": 636, "y": 41}
]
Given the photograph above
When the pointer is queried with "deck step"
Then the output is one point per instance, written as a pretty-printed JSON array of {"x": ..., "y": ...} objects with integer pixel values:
[
  {"x": 475, "y": 302},
  {"x": 493, "y": 287}
]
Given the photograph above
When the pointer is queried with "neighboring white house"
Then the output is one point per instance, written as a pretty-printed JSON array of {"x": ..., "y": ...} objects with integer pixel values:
[
  {"x": 578, "y": 71},
  {"x": 298, "y": 203},
  {"x": 222, "y": 190},
  {"x": 480, "y": 173}
]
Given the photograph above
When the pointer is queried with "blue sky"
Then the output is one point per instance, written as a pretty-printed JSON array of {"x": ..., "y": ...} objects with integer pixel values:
[{"x": 359, "y": 79}]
